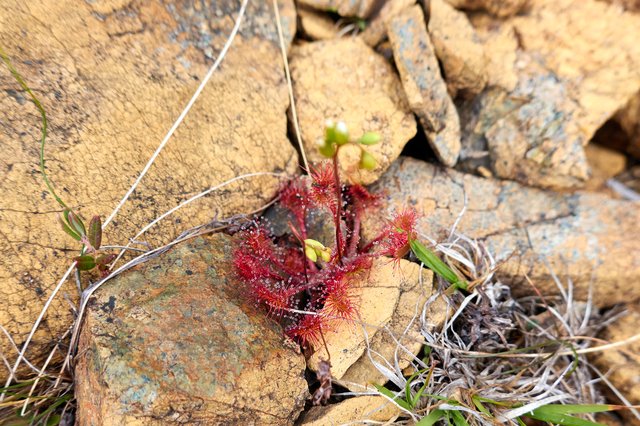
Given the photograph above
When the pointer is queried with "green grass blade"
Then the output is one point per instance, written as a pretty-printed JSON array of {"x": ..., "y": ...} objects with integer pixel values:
[
  {"x": 431, "y": 418},
  {"x": 43, "y": 116},
  {"x": 478, "y": 403},
  {"x": 434, "y": 263},
  {"x": 386, "y": 392},
  {"x": 575, "y": 408},
  {"x": 407, "y": 389},
  {"x": 560, "y": 419},
  {"x": 422, "y": 389},
  {"x": 458, "y": 418}
]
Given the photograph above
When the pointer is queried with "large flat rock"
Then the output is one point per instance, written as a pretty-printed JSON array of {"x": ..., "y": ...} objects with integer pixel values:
[
  {"x": 113, "y": 76},
  {"x": 416, "y": 60},
  {"x": 585, "y": 237},
  {"x": 175, "y": 341},
  {"x": 557, "y": 72},
  {"x": 345, "y": 80}
]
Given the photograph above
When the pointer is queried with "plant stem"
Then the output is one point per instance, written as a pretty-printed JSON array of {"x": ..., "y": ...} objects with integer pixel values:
[
  {"x": 38, "y": 105},
  {"x": 355, "y": 234},
  {"x": 339, "y": 206}
]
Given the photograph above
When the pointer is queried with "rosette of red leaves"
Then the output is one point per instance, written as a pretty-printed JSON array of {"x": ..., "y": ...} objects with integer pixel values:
[{"x": 311, "y": 297}]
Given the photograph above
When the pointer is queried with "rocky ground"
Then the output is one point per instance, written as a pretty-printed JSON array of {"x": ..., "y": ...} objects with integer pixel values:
[{"x": 518, "y": 121}]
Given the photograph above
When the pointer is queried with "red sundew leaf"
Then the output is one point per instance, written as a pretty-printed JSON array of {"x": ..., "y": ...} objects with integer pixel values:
[
  {"x": 278, "y": 301},
  {"x": 394, "y": 239},
  {"x": 257, "y": 241},
  {"x": 294, "y": 261},
  {"x": 250, "y": 268},
  {"x": 340, "y": 305},
  {"x": 308, "y": 331},
  {"x": 323, "y": 188},
  {"x": 294, "y": 196},
  {"x": 361, "y": 197},
  {"x": 405, "y": 221}
]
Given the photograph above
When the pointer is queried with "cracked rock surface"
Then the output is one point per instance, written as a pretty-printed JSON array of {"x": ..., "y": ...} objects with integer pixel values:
[
  {"x": 174, "y": 341},
  {"x": 458, "y": 48},
  {"x": 557, "y": 73},
  {"x": 389, "y": 299},
  {"x": 113, "y": 76},
  {"x": 426, "y": 91},
  {"x": 588, "y": 238}
]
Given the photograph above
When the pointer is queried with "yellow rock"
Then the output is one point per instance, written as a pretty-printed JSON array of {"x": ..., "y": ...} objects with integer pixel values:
[
  {"x": 113, "y": 76},
  {"x": 358, "y": 409},
  {"x": 390, "y": 301}
]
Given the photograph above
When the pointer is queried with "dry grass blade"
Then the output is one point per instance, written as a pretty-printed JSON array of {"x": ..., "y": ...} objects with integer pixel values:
[
  {"x": 497, "y": 358},
  {"x": 294, "y": 113}
]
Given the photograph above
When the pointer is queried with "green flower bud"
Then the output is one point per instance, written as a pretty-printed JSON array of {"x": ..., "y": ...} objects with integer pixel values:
[
  {"x": 342, "y": 133},
  {"x": 311, "y": 254},
  {"x": 313, "y": 249},
  {"x": 328, "y": 149},
  {"x": 367, "y": 161},
  {"x": 369, "y": 138}
]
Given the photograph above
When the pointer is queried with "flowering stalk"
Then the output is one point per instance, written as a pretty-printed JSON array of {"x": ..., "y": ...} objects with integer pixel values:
[{"x": 302, "y": 282}]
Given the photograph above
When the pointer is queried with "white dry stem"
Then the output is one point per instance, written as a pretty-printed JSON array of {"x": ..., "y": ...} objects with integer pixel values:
[
  {"x": 189, "y": 201},
  {"x": 25, "y": 346},
  {"x": 41, "y": 375},
  {"x": 623, "y": 190},
  {"x": 294, "y": 113},
  {"x": 21, "y": 354},
  {"x": 517, "y": 412},
  {"x": 182, "y": 115}
]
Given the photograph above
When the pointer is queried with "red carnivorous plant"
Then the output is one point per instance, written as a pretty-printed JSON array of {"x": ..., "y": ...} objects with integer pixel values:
[{"x": 308, "y": 285}]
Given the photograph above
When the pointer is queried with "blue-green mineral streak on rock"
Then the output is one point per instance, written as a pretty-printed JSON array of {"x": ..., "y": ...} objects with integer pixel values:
[{"x": 176, "y": 339}]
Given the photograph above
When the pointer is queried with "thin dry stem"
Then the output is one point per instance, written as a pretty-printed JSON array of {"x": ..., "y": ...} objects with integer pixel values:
[
  {"x": 294, "y": 113},
  {"x": 182, "y": 115}
]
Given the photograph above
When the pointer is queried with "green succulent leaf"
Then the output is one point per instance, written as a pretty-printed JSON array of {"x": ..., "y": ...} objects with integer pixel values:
[
  {"x": 66, "y": 228},
  {"x": 95, "y": 232},
  {"x": 76, "y": 223},
  {"x": 85, "y": 262},
  {"x": 105, "y": 259}
]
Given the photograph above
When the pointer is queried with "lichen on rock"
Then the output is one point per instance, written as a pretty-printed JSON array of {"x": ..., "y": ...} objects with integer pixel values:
[
  {"x": 113, "y": 76},
  {"x": 174, "y": 340}
]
